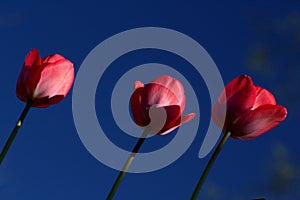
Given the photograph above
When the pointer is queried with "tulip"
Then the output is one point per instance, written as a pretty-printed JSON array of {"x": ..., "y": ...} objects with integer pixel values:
[
  {"x": 163, "y": 93},
  {"x": 41, "y": 83},
  {"x": 157, "y": 108},
  {"x": 250, "y": 112},
  {"x": 243, "y": 111},
  {"x": 44, "y": 81}
]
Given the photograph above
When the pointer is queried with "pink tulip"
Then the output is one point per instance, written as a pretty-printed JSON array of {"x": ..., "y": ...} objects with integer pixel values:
[
  {"x": 44, "y": 81},
  {"x": 251, "y": 110},
  {"x": 148, "y": 101}
]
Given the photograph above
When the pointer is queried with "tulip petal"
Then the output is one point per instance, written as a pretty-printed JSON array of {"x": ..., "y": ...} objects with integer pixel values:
[
  {"x": 53, "y": 59},
  {"x": 184, "y": 120},
  {"x": 173, "y": 85},
  {"x": 234, "y": 87},
  {"x": 29, "y": 76},
  {"x": 46, "y": 101},
  {"x": 258, "y": 121},
  {"x": 33, "y": 58},
  {"x": 240, "y": 94},
  {"x": 155, "y": 94},
  {"x": 56, "y": 79},
  {"x": 138, "y": 84},
  {"x": 167, "y": 131},
  {"x": 187, "y": 118},
  {"x": 241, "y": 101},
  {"x": 173, "y": 116},
  {"x": 164, "y": 120},
  {"x": 139, "y": 113},
  {"x": 263, "y": 97}
]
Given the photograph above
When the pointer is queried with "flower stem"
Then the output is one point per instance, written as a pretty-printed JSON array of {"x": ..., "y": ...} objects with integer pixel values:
[
  {"x": 209, "y": 165},
  {"x": 126, "y": 166},
  {"x": 15, "y": 131}
]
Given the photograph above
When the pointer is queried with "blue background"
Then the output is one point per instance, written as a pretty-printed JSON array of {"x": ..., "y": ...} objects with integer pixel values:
[{"x": 47, "y": 159}]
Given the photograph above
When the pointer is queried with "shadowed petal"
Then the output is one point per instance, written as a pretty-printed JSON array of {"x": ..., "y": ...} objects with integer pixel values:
[
  {"x": 241, "y": 101},
  {"x": 240, "y": 94},
  {"x": 33, "y": 58},
  {"x": 139, "y": 113},
  {"x": 184, "y": 120},
  {"x": 163, "y": 118},
  {"x": 258, "y": 121},
  {"x": 45, "y": 102},
  {"x": 30, "y": 76},
  {"x": 234, "y": 86}
]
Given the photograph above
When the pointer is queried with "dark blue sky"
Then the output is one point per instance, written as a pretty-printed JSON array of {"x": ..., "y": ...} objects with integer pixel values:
[{"x": 48, "y": 161}]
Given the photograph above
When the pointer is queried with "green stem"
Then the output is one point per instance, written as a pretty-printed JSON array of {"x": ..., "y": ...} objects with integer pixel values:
[
  {"x": 209, "y": 165},
  {"x": 15, "y": 131},
  {"x": 126, "y": 166}
]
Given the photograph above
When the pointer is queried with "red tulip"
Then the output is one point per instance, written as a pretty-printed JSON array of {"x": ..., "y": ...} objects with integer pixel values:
[
  {"x": 161, "y": 94},
  {"x": 44, "y": 81},
  {"x": 250, "y": 112}
]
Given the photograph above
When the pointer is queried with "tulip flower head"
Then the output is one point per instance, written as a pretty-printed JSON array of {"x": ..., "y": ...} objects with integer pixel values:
[
  {"x": 44, "y": 81},
  {"x": 158, "y": 106},
  {"x": 250, "y": 110}
]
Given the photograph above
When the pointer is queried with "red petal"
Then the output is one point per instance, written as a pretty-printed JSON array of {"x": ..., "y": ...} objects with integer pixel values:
[
  {"x": 29, "y": 76},
  {"x": 139, "y": 113},
  {"x": 155, "y": 94},
  {"x": 240, "y": 101},
  {"x": 234, "y": 87},
  {"x": 45, "y": 102},
  {"x": 258, "y": 121},
  {"x": 263, "y": 97},
  {"x": 165, "y": 132},
  {"x": 53, "y": 58},
  {"x": 163, "y": 118},
  {"x": 138, "y": 84},
  {"x": 173, "y": 85},
  {"x": 187, "y": 118},
  {"x": 184, "y": 120},
  {"x": 173, "y": 116},
  {"x": 56, "y": 79},
  {"x": 33, "y": 58},
  {"x": 240, "y": 94}
]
